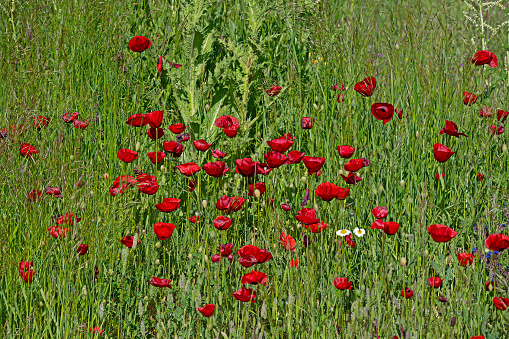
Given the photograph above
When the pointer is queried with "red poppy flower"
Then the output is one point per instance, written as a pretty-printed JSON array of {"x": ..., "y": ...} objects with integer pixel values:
[
  {"x": 174, "y": 148},
  {"x": 480, "y": 177},
  {"x": 327, "y": 191},
  {"x": 307, "y": 123},
  {"x": 438, "y": 177},
  {"x": 497, "y": 242},
  {"x": 378, "y": 224},
  {"x": 390, "y": 227},
  {"x": 82, "y": 249},
  {"x": 127, "y": 155},
  {"x": 229, "y": 124},
  {"x": 341, "y": 98},
  {"x": 469, "y": 98},
  {"x": 96, "y": 330},
  {"x": 215, "y": 258},
  {"x": 245, "y": 167},
  {"x": 341, "y": 86},
  {"x": 260, "y": 186},
  {"x": 250, "y": 255},
  {"x": 67, "y": 219},
  {"x": 351, "y": 179},
  {"x": 497, "y": 129},
  {"x": 160, "y": 282},
  {"x": 168, "y": 205},
  {"x": 27, "y": 150},
  {"x": 342, "y": 193},
  {"x": 159, "y": 65},
  {"x": 366, "y": 87},
  {"x": 55, "y": 191},
  {"x": 81, "y": 124},
  {"x": 263, "y": 168},
  {"x": 294, "y": 263},
  {"x": 502, "y": 115},
  {"x": 478, "y": 337},
  {"x": 354, "y": 165},
  {"x": 346, "y": 151},
  {"x": 435, "y": 282},
  {"x": 231, "y": 131},
  {"x": 407, "y": 293},
  {"x": 485, "y": 58},
  {"x": 163, "y": 230},
  {"x": 245, "y": 295},
  {"x": 275, "y": 159},
  {"x": 380, "y": 212},
  {"x": 70, "y": 117},
  {"x": 399, "y": 113},
  {"x": 490, "y": 286},
  {"x": 307, "y": 216},
  {"x": 313, "y": 164},
  {"x": 139, "y": 44},
  {"x": 228, "y": 204},
  {"x": 441, "y": 233},
  {"x": 287, "y": 241},
  {"x": 316, "y": 227},
  {"x": 225, "y": 250},
  {"x": 26, "y": 272},
  {"x": 441, "y": 152},
  {"x": 294, "y": 157},
  {"x": 501, "y": 303},
  {"x": 382, "y": 111},
  {"x": 147, "y": 184},
  {"x": 273, "y": 91},
  {"x": 201, "y": 145},
  {"x": 350, "y": 241},
  {"x": 177, "y": 128},
  {"x": 215, "y": 169},
  {"x": 342, "y": 283},
  {"x": 254, "y": 278},
  {"x": 189, "y": 168},
  {"x": 286, "y": 207},
  {"x": 34, "y": 195},
  {"x": 155, "y": 133},
  {"x": 465, "y": 258},
  {"x": 156, "y": 157},
  {"x": 222, "y": 222},
  {"x": 40, "y": 121},
  {"x": 57, "y": 232},
  {"x": 218, "y": 154},
  {"x": 451, "y": 128},
  {"x": 485, "y": 112},
  {"x": 155, "y": 119},
  {"x": 280, "y": 145},
  {"x": 128, "y": 241},
  {"x": 138, "y": 120},
  {"x": 207, "y": 310}
]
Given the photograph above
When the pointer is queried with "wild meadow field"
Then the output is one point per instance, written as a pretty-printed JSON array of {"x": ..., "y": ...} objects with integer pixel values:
[{"x": 254, "y": 169}]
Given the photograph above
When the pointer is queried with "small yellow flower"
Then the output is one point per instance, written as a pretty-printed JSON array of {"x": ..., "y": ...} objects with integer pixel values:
[
  {"x": 325, "y": 63},
  {"x": 315, "y": 61},
  {"x": 321, "y": 59},
  {"x": 309, "y": 55}
]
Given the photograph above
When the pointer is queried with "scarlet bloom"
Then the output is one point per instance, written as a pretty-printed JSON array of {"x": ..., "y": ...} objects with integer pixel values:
[
  {"x": 207, "y": 310},
  {"x": 34, "y": 195},
  {"x": 188, "y": 169},
  {"x": 27, "y": 150},
  {"x": 294, "y": 157},
  {"x": 127, "y": 155},
  {"x": 156, "y": 157},
  {"x": 155, "y": 118},
  {"x": 287, "y": 242},
  {"x": 286, "y": 207},
  {"x": 502, "y": 115},
  {"x": 215, "y": 169},
  {"x": 275, "y": 159},
  {"x": 469, "y": 98},
  {"x": 407, "y": 293},
  {"x": 441, "y": 233},
  {"x": 41, "y": 121},
  {"x": 263, "y": 168},
  {"x": 294, "y": 263},
  {"x": 273, "y": 91},
  {"x": 465, "y": 258},
  {"x": 342, "y": 283},
  {"x": 228, "y": 204},
  {"x": 54, "y": 191},
  {"x": 250, "y": 255},
  {"x": 307, "y": 216},
  {"x": 70, "y": 117},
  {"x": 95, "y": 330},
  {"x": 245, "y": 295},
  {"x": 68, "y": 219},
  {"x": 254, "y": 278},
  {"x": 390, "y": 227},
  {"x": 307, "y": 123},
  {"x": 229, "y": 124},
  {"x": 245, "y": 167},
  {"x": 57, "y": 232},
  {"x": 174, "y": 148},
  {"x": 435, "y": 282},
  {"x": 490, "y": 286},
  {"x": 164, "y": 230},
  {"x": 485, "y": 58},
  {"x": 327, "y": 191},
  {"x": 82, "y": 249},
  {"x": 160, "y": 282},
  {"x": 168, "y": 205},
  {"x": 225, "y": 250},
  {"x": 501, "y": 303},
  {"x": 316, "y": 227},
  {"x": 139, "y": 44},
  {"x": 177, "y": 128},
  {"x": 442, "y": 153},
  {"x": 313, "y": 164},
  {"x": 138, "y": 120},
  {"x": 155, "y": 133},
  {"x": 340, "y": 85},
  {"x": 260, "y": 186},
  {"x": 497, "y": 242},
  {"x": 194, "y": 219},
  {"x": 280, "y": 145},
  {"x": 480, "y": 177},
  {"x": 341, "y": 98},
  {"x": 380, "y": 212},
  {"x": 382, "y": 111},
  {"x": 26, "y": 272},
  {"x": 222, "y": 223},
  {"x": 218, "y": 154},
  {"x": 159, "y": 65},
  {"x": 366, "y": 87},
  {"x": 343, "y": 193},
  {"x": 354, "y": 165},
  {"x": 81, "y": 124},
  {"x": 346, "y": 151},
  {"x": 497, "y": 129},
  {"x": 451, "y": 129},
  {"x": 351, "y": 179},
  {"x": 485, "y": 112},
  {"x": 128, "y": 241},
  {"x": 399, "y": 113},
  {"x": 478, "y": 337},
  {"x": 378, "y": 224},
  {"x": 147, "y": 184},
  {"x": 201, "y": 145},
  {"x": 438, "y": 177}
]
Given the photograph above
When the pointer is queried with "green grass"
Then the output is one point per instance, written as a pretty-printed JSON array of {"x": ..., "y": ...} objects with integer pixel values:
[{"x": 73, "y": 56}]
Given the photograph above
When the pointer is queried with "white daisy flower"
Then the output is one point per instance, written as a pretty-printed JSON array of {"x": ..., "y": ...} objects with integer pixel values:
[
  {"x": 343, "y": 233},
  {"x": 359, "y": 231}
]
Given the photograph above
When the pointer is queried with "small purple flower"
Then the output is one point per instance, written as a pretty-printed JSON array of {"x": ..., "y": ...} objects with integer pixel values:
[
  {"x": 182, "y": 137},
  {"x": 306, "y": 198}
]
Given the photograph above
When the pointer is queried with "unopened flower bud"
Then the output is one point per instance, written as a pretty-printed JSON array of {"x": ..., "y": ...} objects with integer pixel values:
[
  {"x": 402, "y": 261},
  {"x": 426, "y": 253},
  {"x": 397, "y": 47},
  {"x": 504, "y": 148},
  {"x": 157, "y": 262},
  {"x": 257, "y": 193},
  {"x": 315, "y": 207},
  {"x": 380, "y": 188},
  {"x": 402, "y": 183},
  {"x": 158, "y": 244},
  {"x": 303, "y": 179},
  {"x": 106, "y": 176},
  {"x": 207, "y": 107},
  {"x": 204, "y": 203},
  {"x": 315, "y": 106},
  {"x": 138, "y": 146},
  {"x": 417, "y": 134}
]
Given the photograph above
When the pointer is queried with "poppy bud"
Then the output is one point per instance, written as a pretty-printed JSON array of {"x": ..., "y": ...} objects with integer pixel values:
[
  {"x": 158, "y": 244},
  {"x": 204, "y": 203},
  {"x": 138, "y": 146},
  {"x": 315, "y": 207},
  {"x": 315, "y": 106},
  {"x": 321, "y": 107},
  {"x": 71, "y": 157},
  {"x": 375, "y": 191},
  {"x": 381, "y": 188},
  {"x": 41, "y": 304},
  {"x": 106, "y": 176},
  {"x": 303, "y": 179},
  {"x": 206, "y": 258},
  {"x": 504, "y": 148},
  {"x": 402, "y": 261},
  {"x": 426, "y": 253},
  {"x": 410, "y": 200},
  {"x": 157, "y": 262},
  {"x": 257, "y": 193},
  {"x": 207, "y": 107},
  {"x": 402, "y": 183},
  {"x": 397, "y": 47}
]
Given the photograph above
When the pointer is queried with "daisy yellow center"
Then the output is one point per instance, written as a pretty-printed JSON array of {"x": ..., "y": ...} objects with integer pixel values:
[{"x": 344, "y": 231}]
